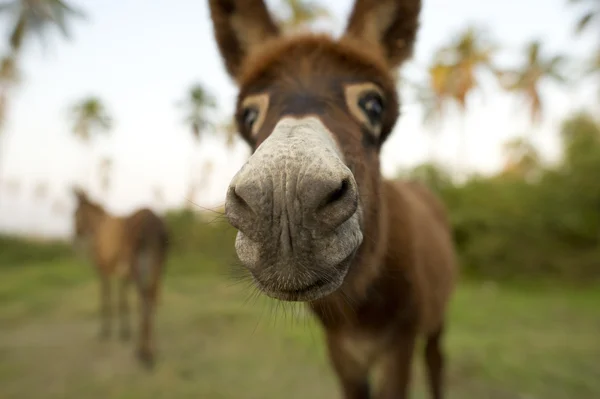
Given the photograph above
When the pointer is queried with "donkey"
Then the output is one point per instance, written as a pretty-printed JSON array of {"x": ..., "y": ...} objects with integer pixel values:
[
  {"x": 372, "y": 258},
  {"x": 135, "y": 249}
]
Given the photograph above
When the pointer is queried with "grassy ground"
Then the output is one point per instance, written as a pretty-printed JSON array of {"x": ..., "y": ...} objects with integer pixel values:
[{"x": 504, "y": 342}]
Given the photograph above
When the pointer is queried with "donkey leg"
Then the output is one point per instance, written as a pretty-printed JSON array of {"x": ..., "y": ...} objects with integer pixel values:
[
  {"x": 353, "y": 375},
  {"x": 124, "y": 313},
  {"x": 105, "y": 307},
  {"x": 435, "y": 363},
  {"x": 396, "y": 368},
  {"x": 145, "y": 351}
]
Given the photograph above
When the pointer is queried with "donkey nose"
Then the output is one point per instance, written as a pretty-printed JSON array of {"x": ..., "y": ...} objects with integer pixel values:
[
  {"x": 325, "y": 199},
  {"x": 243, "y": 203},
  {"x": 329, "y": 200}
]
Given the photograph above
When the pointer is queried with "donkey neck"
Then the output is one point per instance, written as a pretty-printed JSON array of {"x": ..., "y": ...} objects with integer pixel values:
[{"x": 97, "y": 218}]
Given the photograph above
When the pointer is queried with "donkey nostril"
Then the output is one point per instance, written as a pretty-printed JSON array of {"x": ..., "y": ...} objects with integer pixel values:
[
  {"x": 242, "y": 205},
  {"x": 339, "y": 193},
  {"x": 238, "y": 202},
  {"x": 337, "y": 205}
]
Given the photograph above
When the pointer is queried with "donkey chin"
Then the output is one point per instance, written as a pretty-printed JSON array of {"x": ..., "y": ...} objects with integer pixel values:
[{"x": 302, "y": 268}]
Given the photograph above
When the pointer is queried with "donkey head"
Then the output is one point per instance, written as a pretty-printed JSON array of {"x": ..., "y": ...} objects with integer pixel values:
[
  {"x": 85, "y": 216},
  {"x": 315, "y": 112}
]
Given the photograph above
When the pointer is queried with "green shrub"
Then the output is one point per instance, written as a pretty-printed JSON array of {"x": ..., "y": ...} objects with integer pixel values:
[{"x": 16, "y": 251}]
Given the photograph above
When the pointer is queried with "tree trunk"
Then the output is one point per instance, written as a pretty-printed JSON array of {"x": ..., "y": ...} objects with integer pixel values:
[
  {"x": 431, "y": 150},
  {"x": 87, "y": 167},
  {"x": 190, "y": 197},
  {"x": 3, "y": 112},
  {"x": 3, "y": 181},
  {"x": 462, "y": 161}
]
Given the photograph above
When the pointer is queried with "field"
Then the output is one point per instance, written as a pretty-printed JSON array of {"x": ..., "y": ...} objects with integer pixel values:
[{"x": 505, "y": 341}]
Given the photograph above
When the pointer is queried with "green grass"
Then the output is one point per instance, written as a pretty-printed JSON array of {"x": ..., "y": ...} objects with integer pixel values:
[{"x": 503, "y": 342}]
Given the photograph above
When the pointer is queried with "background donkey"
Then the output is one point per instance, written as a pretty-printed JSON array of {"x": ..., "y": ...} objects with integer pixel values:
[{"x": 135, "y": 249}]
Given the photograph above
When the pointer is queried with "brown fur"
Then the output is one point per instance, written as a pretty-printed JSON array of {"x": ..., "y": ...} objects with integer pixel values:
[
  {"x": 134, "y": 248},
  {"x": 401, "y": 279}
]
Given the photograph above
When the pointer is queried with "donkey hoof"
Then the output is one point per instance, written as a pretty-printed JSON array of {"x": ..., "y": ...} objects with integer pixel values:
[{"x": 146, "y": 358}]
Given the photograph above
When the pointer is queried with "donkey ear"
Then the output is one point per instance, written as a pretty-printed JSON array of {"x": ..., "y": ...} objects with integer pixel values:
[
  {"x": 391, "y": 25},
  {"x": 240, "y": 26},
  {"x": 79, "y": 194}
]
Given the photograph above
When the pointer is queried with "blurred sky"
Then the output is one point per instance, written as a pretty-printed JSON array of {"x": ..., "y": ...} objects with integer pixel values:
[{"x": 141, "y": 56}]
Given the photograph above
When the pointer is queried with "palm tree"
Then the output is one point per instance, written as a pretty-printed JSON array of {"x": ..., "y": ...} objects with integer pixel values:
[
  {"x": 301, "y": 13},
  {"x": 457, "y": 64},
  {"x": 35, "y": 16},
  {"x": 589, "y": 16},
  {"x": 198, "y": 101},
  {"x": 526, "y": 80},
  {"x": 30, "y": 16},
  {"x": 522, "y": 158},
  {"x": 90, "y": 118},
  {"x": 230, "y": 129},
  {"x": 594, "y": 64},
  {"x": 9, "y": 77},
  {"x": 434, "y": 97},
  {"x": 465, "y": 54},
  {"x": 159, "y": 196},
  {"x": 426, "y": 97},
  {"x": 105, "y": 169}
]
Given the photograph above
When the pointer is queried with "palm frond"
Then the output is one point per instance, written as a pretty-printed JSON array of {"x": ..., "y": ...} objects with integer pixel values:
[
  {"x": 35, "y": 16},
  {"x": 90, "y": 117}
]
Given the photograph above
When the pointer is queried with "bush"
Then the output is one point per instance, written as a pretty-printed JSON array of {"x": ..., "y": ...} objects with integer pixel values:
[
  {"x": 16, "y": 251},
  {"x": 513, "y": 226},
  {"x": 205, "y": 240}
]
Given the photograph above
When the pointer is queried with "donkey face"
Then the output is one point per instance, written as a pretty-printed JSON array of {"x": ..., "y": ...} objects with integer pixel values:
[
  {"x": 315, "y": 112},
  {"x": 83, "y": 219}
]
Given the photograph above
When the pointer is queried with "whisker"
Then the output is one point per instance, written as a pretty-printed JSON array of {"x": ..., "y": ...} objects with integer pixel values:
[{"x": 213, "y": 210}]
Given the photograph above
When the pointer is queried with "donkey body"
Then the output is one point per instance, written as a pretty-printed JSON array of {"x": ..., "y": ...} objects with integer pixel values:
[
  {"x": 132, "y": 248},
  {"x": 372, "y": 258}
]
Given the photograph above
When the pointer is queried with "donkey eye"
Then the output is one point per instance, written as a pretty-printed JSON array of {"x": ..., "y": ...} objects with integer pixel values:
[
  {"x": 372, "y": 105},
  {"x": 249, "y": 116}
]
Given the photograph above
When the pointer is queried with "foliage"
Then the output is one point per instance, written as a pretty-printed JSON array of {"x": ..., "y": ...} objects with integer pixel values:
[
  {"x": 591, "y": 15},
  {"x": 16, "y": 252},
  {"x": 36, "y": 16},
  {"x": 10, "y": 76},
  {"x": 520, "y": 224},
  {"x": 300, "y": 13},
  {"x": 527, "y": 78},
  {"x": 453, "y": 75},
  {"x": 205, "y": 234},
  {"x": 198, "y": 101},
  {"x": 459, "y": 61},
  {"x": 90, "y": 117}
]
